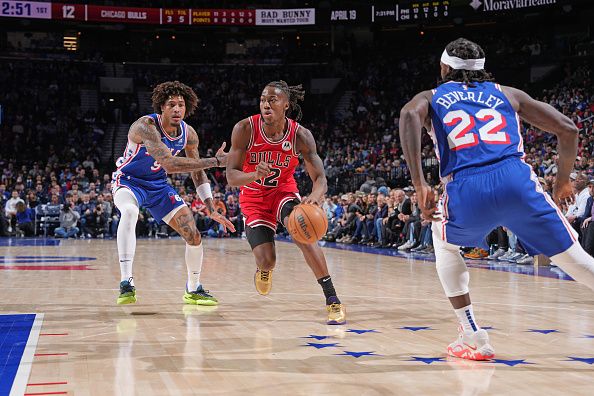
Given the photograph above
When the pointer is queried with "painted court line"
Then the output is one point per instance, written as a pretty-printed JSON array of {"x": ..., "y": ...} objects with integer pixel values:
[
  {"x": 52, "y": 354},
  {"x": 22, "y": 375},
  {"x": 48, "y": 383}
]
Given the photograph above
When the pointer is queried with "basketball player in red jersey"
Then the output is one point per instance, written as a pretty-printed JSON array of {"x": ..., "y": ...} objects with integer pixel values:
[{"x": 264, "y": 153}]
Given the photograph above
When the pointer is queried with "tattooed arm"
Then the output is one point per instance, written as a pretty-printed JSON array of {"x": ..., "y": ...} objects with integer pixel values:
[{"x": 144, "y": 131}]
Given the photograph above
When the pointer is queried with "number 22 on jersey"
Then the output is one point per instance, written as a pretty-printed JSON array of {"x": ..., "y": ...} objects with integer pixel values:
[{"x": 463, "y": 135}]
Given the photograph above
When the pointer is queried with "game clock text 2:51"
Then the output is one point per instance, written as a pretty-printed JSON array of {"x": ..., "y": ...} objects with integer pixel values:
[{"x": 27, "y": 9}]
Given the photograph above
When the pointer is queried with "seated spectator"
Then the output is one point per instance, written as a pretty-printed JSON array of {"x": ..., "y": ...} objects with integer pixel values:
[
  {"x": 412, "y": 227},
  {"x": 25, "y": 220},
  {"x": 217, "y": 230},
  {"x": 378, "y": 220},
  {"x": 234, "y": 214},
  {"x": 346, "y": 225},
  {"x": 587, "y": 223},
  {"x": 10, "y": 209},
  {"x": 95, "y": 224},
  {"x": 200, "y": 214},
  {"x": 68, "y": 220}
]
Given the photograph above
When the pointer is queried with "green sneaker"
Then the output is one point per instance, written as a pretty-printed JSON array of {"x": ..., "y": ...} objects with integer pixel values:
[
  {"x": 199, "y": 297},
  {"x": 127, "y": 293}
]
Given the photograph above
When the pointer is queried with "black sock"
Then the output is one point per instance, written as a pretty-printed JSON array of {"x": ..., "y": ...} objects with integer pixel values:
[{"x": 328, "y": 288}]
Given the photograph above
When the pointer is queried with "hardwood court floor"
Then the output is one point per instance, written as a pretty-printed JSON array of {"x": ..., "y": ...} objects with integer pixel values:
[{"x": 398, "y": 318}]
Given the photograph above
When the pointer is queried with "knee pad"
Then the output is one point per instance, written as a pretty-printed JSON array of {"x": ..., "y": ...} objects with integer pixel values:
[
  {"x": 258, "y": 235},
  {"x": 451, "y": 268}
]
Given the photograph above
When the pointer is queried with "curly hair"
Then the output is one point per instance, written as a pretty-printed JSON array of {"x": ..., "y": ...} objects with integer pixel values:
[
  {"x": 295, "y": 93},
  {"x": 164, "y": 91},
  {"x": 466, "y": 49}
]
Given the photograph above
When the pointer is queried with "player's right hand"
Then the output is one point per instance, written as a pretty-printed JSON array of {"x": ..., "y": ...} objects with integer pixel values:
[
  {"x": 221, "y": 155},
  {"x": 563, "y": 192},
  {"x": 426, "y": 198},
  {"x": 262, "y": 170}
]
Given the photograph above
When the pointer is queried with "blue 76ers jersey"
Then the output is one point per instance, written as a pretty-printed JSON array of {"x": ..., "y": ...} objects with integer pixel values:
[
  {"x": 473, "y": 126},
  {"x": 138, "y": 163}
]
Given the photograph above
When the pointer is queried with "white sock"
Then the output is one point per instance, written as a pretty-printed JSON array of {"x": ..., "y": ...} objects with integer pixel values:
[
  {"x": 466, "y": 318},
  {"x": 128, "y": 207},
  {"x": 194, "y": 255},
  {"x": 577, "y": 263}
]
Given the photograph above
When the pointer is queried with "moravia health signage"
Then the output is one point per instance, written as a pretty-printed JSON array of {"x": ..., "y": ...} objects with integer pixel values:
[{"x": 508, "y": 5}]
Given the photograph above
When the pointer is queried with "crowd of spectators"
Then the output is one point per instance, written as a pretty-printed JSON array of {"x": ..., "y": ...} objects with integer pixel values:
[{"x": 53, "y": 181}]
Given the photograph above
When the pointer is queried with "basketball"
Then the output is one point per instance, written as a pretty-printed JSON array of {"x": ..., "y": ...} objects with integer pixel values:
[{"x": 307, "y": 223}]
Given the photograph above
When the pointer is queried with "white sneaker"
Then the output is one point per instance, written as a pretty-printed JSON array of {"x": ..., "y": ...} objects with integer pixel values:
[
  {"x": 525, "y": 259},
  {"x": 496, "y": 254},
  {"x": 513, "y": 257},
  {"x": 505, "y": 255},
  {"x": 406, "y": 246},
  {"x": 472, "y": 346}
]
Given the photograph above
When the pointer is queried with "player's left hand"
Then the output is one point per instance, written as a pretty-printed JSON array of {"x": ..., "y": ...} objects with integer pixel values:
[
  {"x": 563, "y": 192},
  {"x": 314, "y": 198},
  {"x": 426, "y": 198},
  {"x": 219, "y": 218}
]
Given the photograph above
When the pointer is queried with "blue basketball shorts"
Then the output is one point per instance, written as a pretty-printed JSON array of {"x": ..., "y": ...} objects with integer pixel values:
[
  {"x": 506, "y": 193},
  {"x": 158, "y": 197}
]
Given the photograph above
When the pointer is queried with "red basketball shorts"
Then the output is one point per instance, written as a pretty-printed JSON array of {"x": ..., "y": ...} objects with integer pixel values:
[{"x": 264, "y": 208}]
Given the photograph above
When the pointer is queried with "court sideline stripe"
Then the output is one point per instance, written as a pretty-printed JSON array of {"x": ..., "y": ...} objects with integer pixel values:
[
  {"x": 45, "y": 393},
  {"x": 22, "y": 375},
  {"x": 48, "y": 383}
]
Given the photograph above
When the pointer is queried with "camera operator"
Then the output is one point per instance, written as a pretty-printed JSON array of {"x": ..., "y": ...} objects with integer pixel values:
[
  {"x": 95, "y": 222},
  {"x": 68, "y": 220}
]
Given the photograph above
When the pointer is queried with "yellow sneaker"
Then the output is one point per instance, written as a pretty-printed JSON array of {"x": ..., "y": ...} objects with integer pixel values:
[
  {"x": 263, "y": 281},
  {"x": 336, "y": 313}
]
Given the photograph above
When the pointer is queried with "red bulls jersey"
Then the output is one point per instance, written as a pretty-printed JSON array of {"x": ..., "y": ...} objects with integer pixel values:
[{"x": 281, "y": 156}]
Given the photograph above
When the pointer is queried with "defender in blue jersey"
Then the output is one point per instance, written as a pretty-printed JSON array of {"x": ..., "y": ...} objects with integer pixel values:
[
  {"x": 475, "y": 125},
  {"x": 154, "y": 141}
]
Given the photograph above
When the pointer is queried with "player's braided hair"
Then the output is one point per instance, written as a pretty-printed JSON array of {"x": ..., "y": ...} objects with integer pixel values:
[
  {"x": 164, "y": 91},
  {"x": 466, "y": 49},
  {"x": 295, "y": 93}
]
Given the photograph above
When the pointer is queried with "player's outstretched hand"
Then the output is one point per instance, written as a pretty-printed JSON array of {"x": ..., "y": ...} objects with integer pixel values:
[
  {"x": 426, "y": 198},
  {"x": 262, "y": 170},
  {"x": 221, "y": 155},
  {"x": 219, "y": 218},
  {"x": 563, "y": 192}
]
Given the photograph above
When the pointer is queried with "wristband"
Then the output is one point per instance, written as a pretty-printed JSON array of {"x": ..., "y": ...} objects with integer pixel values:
[{"x": 204, "y": 192}]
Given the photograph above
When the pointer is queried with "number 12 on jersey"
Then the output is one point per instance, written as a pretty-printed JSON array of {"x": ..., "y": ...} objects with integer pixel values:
[
  {"x": 463, "y": 135},
  {"x": 272, "y": 179}
]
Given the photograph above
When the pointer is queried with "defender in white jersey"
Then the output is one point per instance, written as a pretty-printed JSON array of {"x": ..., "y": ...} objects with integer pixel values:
[
  {"x": 476, "y": 128},
  {"x": 154, "y": 141}
]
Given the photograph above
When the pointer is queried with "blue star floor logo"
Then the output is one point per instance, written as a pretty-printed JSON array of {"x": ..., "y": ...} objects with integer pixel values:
[
  {"x": 583, "y": 360},
  {"x": 511, "y": 363},
  {"x": 428, "y": 360},
  {"x": 546, "y": 331},
  {"x": 322, "y": 346},
  {"x": 415, "y": 328},
  {"x": 361, "y": 331},
  {"x": 317, "y": 337},
  {"x": 357, "y": 354}
]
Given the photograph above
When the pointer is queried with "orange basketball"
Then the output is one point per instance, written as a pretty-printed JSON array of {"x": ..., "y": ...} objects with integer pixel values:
[{"x": 307, "y": 223}]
